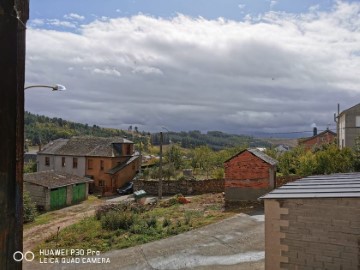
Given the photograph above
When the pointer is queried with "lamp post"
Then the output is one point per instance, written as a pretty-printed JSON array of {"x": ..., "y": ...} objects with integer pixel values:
[
  {"x": 160, "y": 166},
  {"x": 56, "y": 87}
]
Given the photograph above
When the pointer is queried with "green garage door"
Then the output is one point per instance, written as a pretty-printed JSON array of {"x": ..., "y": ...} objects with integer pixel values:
[
  {"x": 57, "y": 198},
  {"x": 79, "y": 193}
]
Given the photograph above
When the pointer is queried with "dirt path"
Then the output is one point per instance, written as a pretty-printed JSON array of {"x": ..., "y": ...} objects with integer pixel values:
[{"x": 59, "y": 218}]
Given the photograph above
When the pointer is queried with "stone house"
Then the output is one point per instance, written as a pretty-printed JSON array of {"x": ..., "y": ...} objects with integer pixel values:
[
  {"x": 51, "y": 190},
  {"x": 348, "y": 126},
  {"x": 111, "y": 162},
  {"x": 314, "y": 223},
  {"x": 248, "y": 175}
]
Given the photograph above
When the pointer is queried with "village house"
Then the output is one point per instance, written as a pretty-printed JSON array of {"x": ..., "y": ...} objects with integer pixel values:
[
  {"x": 51, "y": 190},
  {"x": 248, "y": 175},
  {"x": 348, "y": 126},
  {"x": 110, "y": 162},
  {"x": 318, "y": 139}
]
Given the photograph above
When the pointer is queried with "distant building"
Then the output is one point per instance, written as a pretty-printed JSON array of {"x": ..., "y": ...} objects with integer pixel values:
[
  {"x": 109, "y": 161},
  {"x": 317, "y": 140},
  {"x": 248, "y": 175},
  {"x": 281, "y": 148},
  {"x": 52, "y": 190},
  {"x": 348, "y": 126}
]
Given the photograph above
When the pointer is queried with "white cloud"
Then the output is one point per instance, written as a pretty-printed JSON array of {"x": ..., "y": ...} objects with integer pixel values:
[
  {"x": 277, "y": 72},
  {"x": 107, "y": 71},
  {"x": 74, "y": 16},
  {"x": 56, "y": 22},
  {"x": 147, "y": 70},
  {"x": 37, "y": 22}
]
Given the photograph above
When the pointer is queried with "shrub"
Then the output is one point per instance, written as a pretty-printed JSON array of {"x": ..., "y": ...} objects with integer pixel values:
[
  {"x": 114, "y": 220},
  {"x": 151, "y": 222},
  {"x": 166, "y": 222},
  {"x": 30, "y": 212}
]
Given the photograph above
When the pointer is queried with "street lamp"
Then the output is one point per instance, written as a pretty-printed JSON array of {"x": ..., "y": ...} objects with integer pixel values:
[{"x": 56, "y": 87}]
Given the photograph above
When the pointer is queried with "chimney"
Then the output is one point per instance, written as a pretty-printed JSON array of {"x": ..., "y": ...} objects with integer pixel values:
[{"x": 314, "y": 131}]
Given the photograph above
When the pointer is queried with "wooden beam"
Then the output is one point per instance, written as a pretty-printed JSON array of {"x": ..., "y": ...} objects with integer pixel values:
[{"x": 13, "y": 17}]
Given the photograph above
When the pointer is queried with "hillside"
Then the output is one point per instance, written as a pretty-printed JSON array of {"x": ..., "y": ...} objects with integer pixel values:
[
  {"x": 42, "y": 129},
  {"x": 216, "y": 140}
]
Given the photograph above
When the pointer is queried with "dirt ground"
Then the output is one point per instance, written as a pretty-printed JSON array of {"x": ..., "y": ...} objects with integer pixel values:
[{"x": 33, "y": 235}]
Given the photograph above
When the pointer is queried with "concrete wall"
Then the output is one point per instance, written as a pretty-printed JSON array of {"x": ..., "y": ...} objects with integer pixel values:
[
  {"x": 247, "y": 177},
  {"x": 68, "y": 168},
  {"x": 56, "y": 164},
  {"x": 185, "y": 187},
  {"x": 312, "y": 233},
  {"x": 348, "y": 131}
]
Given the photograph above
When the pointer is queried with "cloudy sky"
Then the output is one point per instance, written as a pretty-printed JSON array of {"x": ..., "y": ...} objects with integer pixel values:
[{"x": 245, "y": 66}]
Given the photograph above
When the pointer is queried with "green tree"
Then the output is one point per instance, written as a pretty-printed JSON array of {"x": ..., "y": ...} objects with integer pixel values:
[
  {"x": 174, "y": 156},
  {"x": 203, "y": 158},
  {"x": 29, "y": 211}
]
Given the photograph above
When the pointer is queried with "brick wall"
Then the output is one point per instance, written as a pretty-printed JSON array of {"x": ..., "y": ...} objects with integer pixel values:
[
  {"x": 246, "y": 166},
  {"x": 312, "y": 233},
  {"x": 185, "y": 187},
  {"x": 325, "y": 138},
  {"x": 247, "y": 177}
]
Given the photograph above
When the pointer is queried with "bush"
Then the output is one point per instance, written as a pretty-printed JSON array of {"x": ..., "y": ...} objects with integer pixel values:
[
  {"x": 166, "y": 222},
  {"x": 151, "y": 222},
  {"x": 114, "y": 220},
  {"x": 30, "y": 212}
]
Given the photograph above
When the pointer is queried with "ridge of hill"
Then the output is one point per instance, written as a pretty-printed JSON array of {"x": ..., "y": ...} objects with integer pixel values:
[{"x": 40, "y": 129}]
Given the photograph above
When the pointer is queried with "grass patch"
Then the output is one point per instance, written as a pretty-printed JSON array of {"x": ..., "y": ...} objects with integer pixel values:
[{"x": 122, "y": 226}]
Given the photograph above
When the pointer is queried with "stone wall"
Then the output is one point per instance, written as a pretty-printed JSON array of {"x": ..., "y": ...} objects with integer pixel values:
[
  {"x": 312, "y": 233},
  {"x": 38, "y": 194},
  {"x": 185, "y": 187}
]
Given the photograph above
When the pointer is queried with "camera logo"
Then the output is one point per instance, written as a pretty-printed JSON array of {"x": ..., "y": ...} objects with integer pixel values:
[{"x": 19, "y": 256}]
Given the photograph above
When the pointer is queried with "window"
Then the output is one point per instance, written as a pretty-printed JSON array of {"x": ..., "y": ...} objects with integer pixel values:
[
  {"x": 101, "y": 165},
  {"x": 90, "y": 164},
  {"x": 117, "y": 149},
  {"x": 75, "y": 162},
  {"x": 47, "y": 161},
  {"x": 101, "y": 183},
  {"x": 63, "y": 162},
  {"x": 357, "y": 121},
  {"x": 128, "y": 149}
]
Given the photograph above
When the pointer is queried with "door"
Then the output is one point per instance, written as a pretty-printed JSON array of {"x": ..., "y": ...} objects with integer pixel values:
[
  {"x": 79, "y": 193},
  {"x": 57, "y": 198}
]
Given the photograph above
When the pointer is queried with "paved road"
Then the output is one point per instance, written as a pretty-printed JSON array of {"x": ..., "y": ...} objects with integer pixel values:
[{"x": 234, "y": 243}]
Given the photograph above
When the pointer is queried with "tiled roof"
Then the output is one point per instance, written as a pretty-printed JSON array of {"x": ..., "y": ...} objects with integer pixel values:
[
  {"x": 345, "y": 185},
  {"x": 259, "y": 154},
  {"x": 122, "y": 165},
  {"x": 83, "y": 146},
  {"x": 52, "y": 179}
]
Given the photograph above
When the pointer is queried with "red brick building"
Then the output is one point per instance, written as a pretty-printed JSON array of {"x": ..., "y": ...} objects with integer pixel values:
[
  {"x": 249, "y": 175},
  {"x": 318, "y": 140}
]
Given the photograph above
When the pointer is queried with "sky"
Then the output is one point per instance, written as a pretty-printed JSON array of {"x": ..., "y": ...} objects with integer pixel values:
[{"x": 244, "y": 67}]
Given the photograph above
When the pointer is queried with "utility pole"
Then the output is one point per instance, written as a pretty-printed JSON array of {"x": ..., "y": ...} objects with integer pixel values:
[
  {"x": 13, "y": 17},
  {"x": 160, "y": 166}
]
